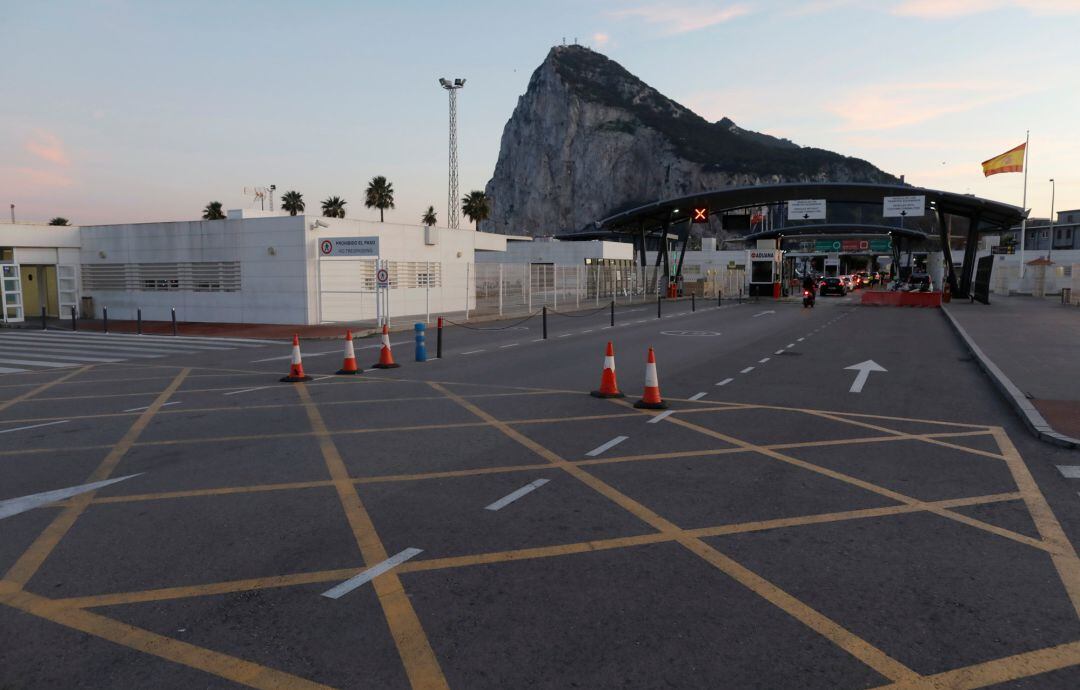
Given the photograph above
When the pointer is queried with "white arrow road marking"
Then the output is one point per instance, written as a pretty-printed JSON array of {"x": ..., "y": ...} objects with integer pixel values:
[
  {"x": 513, "y": 496},
  {"x": 607, "y": 446},
  {"x": 371, "y": 573},
  {"x": 32, "y": 426},
  {"x": 864, "y": 369},
  {"x": 14, "y": 506},
  {"x": 762, "y": 313}
]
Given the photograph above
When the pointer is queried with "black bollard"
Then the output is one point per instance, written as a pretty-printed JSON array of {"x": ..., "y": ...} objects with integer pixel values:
[
  {"x": 612, "y": 313},
  {"x": 658, "y": 303},
  {"x": 719, "y": 298},
  {"x": 74, "y": 324},
  {"x": 105, "y": 319},
  {"x": 138, "y": 321},
  {"x": 174, "y": 321},
  {"x": 43, "y": 324},
  {"x": 693, "y": 302},
  {"x": 438, "y": 340},
  {"x": 545, "y": 323}
]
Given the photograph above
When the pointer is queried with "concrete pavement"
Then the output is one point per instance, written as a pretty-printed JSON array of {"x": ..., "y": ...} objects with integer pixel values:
[{"x": 778, "y": 531}]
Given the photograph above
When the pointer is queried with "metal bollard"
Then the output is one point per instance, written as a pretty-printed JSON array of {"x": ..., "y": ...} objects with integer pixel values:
[
  {"x": 174, "y": 321},
  {"x": 612, "y": 313},
  {"x": 421, "y": 347},
  {"x": 138, "y": 321},
  {"x": 438, "y": 340},
  {"x": 74, "y": 324},
  {"x": 545, "y": 323},
  {"x": 740, "y": 295},
  {"x": 719, "y": 298},
  {"x": 43, "y": 324},
  {"x": 105, "y": 318},
  {"x": 693, "y": 303},
  {"x": 659, "y": 301}
]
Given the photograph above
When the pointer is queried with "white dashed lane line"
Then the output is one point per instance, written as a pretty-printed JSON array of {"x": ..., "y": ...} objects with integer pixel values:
[
  {"x": 503, "y": 347},
  {"x": 607, "y": 446},
  {"x": 697, "y": 396},
  {"x": 763, "y": 360},
  {"x": 747, "y": 370},
  {"x": 724, "y": 382},
  {"x": 32, "y": 426},
  {"x": 472, "y": 352},
  {"x": 515, "y": 495},
  {"x": 661, "y": 416},
  {"x": 779, "y": 352},
  {"x": 1069, "y": 471}
]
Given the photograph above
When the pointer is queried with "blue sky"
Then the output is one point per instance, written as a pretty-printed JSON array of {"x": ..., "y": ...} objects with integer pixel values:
[{"x": 125, "y": 111}]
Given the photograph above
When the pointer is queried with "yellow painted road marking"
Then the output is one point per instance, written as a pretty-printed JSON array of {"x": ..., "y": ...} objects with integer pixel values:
[
  {"x": 412, "y": 643},
  {"x": 997, "y": 671},
  {"x": 35, "y": 555},
  {"x": 846, "y": 640},
  {"x": 42, "y": 388}
]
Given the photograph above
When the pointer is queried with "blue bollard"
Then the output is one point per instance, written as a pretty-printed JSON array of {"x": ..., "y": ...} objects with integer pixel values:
[{"x": 421, "y": 348}]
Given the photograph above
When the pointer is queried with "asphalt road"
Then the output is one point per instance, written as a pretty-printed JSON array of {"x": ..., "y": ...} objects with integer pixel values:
[{"x": 775, "y": 530}]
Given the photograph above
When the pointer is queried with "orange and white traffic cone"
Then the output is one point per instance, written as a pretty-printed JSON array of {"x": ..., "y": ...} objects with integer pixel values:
[
  {"x": 651, "y": 399},
  {"x": 609, "y": 387},
  {"x": 349, "y": 367},
  {"x": 296, "y": 369},
  {"x": 386, "y": 357}
]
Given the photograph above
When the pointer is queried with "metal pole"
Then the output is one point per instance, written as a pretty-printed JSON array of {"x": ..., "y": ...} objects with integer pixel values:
[
  {"x": 659, "y": 301},
  {"x": 174, "y": 321},
  {"x": 500, "y": 288},
  {"x": 577, "y": 287},
  {"x": 74, "y": 324},
  {"x": 105, "y": 316},
  {"x": 693, "y": 304},
  {"x": 438, "y": 340},
  {"x": 613, "y": 313},
  {"x": 138, "y": 320},
  {"x": 1050, "y": 247},
  {"x": 43, "y": 324},
  {"x": 719, "y": 297},
  {"x": 1023, "y": 221},
  {"x": 467, "y": 292},
  {"x": 545, "y": 322}
]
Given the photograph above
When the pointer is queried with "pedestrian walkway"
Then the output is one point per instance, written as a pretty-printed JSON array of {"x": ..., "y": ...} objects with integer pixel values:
[
  {"x": 1033, "y": 342},
  {"x": 24, "y": 351}
]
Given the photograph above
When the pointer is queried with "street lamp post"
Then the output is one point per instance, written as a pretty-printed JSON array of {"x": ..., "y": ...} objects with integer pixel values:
[
  {"x": 452, "y": 87},
  {"x": 1050, "y": 248}
]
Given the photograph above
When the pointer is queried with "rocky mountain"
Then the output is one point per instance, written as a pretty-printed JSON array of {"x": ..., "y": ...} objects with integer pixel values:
[{"x": 588, "y": 139}]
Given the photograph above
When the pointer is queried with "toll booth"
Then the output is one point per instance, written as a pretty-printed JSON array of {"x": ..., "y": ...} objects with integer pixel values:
[{"x": 766, "y": 272}]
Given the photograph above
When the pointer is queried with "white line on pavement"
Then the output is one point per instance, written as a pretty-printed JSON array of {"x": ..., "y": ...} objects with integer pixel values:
[
  {"x": 147, "y": 407},
  {"x": 515, "y": 495},
  {"x": 9, "y": 370},
  {"x": 14, "y": 506},
  {"x": 471, "y": 352},
  {"x": 538, "y": 340},
  {"x": 32, "y": 426},
  {"x": 660, "y": 416},
  {"x": 321, "y": 378},
  {"x": 607, "y": 446},
  {"x": 587, "y": 330},
  {"x": 566, "y": 335},
  {"x": 698, "y": 396},
  {"x": 790, "y": 345},
  {"x": 39, "y": 363},
  {"x": 724, "y": 382},
  {"x": 305, "y": 356},
  {"x": 799, "y": 340},
  {"x": 371, "y": 573},
  {"x": 763, "y": 360},
  {"x": 503, "y": 347},
  {"x": 248, "y": 390},
  {"x": 779, "y": 352},
  {"x": 747, "y": 370},
  {"x": 1069, "y": 471}
]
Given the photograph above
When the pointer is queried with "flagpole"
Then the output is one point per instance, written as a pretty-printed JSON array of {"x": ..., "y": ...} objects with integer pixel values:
[{"x": 1023, "y": 222}]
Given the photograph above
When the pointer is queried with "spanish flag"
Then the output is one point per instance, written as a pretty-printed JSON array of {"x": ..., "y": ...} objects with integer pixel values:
[{"x": 1010, "y": 161}]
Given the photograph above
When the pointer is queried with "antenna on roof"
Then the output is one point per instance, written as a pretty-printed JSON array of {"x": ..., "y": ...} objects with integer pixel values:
[{"x": 260, "y": 194}]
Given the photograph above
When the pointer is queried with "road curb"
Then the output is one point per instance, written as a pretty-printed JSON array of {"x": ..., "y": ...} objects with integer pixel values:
[{"x": 1032, "y": 418}]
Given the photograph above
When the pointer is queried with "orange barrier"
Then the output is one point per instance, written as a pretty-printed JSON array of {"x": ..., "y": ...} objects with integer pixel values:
[{"x": 902, "y": 299}]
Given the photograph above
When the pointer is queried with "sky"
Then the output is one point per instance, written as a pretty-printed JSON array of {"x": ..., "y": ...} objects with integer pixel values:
[{"x": 128, "y": 111}]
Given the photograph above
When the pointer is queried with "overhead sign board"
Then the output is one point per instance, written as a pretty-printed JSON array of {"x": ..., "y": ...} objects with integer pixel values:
[
  {"x": 853, "y": 246},
  {"x": 904, "y": 206},
  {"x": 762, "y": 255},
  {"x": 806, "y": 209},
  {"x": 349, "y": 246}
]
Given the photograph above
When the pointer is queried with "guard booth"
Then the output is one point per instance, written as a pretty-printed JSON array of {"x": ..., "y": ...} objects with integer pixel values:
[{"x": 766, "y": 272}]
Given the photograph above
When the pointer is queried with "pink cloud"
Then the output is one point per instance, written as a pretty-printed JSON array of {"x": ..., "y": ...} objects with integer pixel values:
[
  {"x": 47, "y": 146},
  {"x": 887, "y": 106},
  {"x": 940, "y": 9},
  {"x": 680, "y": 20},
  {"x": 26, "y": 181}
]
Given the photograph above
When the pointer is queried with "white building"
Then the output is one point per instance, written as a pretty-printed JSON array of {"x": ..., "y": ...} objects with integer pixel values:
[{"x": 253, "y": 267}]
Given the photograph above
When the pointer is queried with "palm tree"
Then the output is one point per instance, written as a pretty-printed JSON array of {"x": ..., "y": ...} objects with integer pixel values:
[
  {"x": 59, "y": 220},
  {"x": 333, "y": 207},
  {"x": 379, "y": 194},
  {"x": 476, "y": 206},
  {"x": 293, "y": 202},
  {"x": 213, "y": 211},
  {"x": 429, "y": 218}
]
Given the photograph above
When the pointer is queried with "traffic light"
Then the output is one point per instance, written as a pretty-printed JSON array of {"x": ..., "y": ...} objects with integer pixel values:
[{"x": 700, "y": 214}]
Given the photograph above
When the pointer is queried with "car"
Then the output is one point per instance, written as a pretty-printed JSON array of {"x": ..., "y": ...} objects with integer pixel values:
[
  {"x": 919, "y": 282},
  {"x": 848, "y": 281},
  {"x": 833, "y": 285}
]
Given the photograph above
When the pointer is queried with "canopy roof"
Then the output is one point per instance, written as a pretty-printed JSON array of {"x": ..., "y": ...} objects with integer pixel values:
[{"x": 833, "y": 229}]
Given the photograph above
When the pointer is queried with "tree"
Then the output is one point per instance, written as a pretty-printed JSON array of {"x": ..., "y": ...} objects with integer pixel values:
[
  {"x": 379, "y": 194},
  {"x": 333, "y": 207},
  {"x": 293, "y": 202},
  {"x": 213, "y": 211},
  {"x": 429, "y": 218},
  {"x": 476, "y": 206},
  {"x": 59, "y": 220}
]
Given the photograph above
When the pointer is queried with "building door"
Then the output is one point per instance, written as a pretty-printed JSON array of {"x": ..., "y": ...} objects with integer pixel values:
[
  {"x": 67, "y": 291},
  {"x": 11, "y": 294}
]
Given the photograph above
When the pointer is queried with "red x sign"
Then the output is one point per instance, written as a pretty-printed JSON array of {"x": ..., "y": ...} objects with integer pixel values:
[{"x": 701, "y": 215}]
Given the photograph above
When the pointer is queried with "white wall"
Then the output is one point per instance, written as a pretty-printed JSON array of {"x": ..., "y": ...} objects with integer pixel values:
[{"x": 547, "y": 250}]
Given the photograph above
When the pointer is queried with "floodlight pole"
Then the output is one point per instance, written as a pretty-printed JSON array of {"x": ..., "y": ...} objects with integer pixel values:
[
  {"x": 452, "y": 87},
  {"x": 1050, "y": 248}
]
